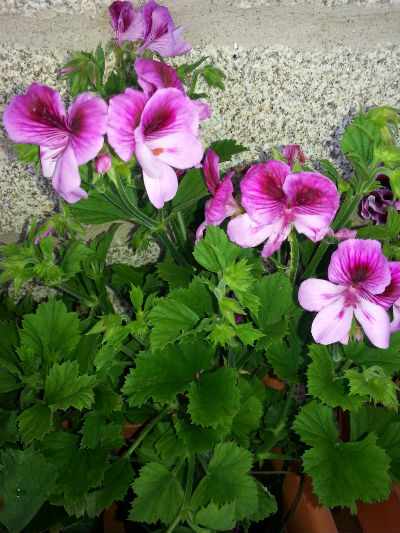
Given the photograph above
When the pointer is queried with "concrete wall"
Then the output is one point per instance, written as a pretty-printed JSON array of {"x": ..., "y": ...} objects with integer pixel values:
[{"x": 295, "y": 73}]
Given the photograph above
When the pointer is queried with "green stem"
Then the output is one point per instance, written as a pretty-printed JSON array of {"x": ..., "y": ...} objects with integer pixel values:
[
  {"x": 294, "y": 257},
  {"x": 279, "y": 429},
  {"x": 346, "y": 365},
  {"x": 194, "y": 81},
  {"x": 176, "y": 254},
  {"x": 85, "y": 298},
  {"x": 186, "y": 497},
  {"x": 146, "y": 431}
]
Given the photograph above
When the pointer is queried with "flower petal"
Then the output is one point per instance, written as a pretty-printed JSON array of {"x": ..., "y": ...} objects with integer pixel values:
[
  {"x": 211, "y": 171},
  {"x": 154, "y": 75},
  {"x": 292, "y": 152},
  {"x": 126, "y": 21},
  {"x": 159, "y": 178},
  {"x": 246, "y": 233},
  {"x": 262, "y": 193},
  {"x": 158, "y": 28},
  {"x": 124, "y": 112},
  {"x": 395, "y": 324},
  {"x": 66, "y": 179},
  {"x": 374, "y": 321},
  {"x": 280, "y": 232},
  {"x": 218, "y": 208},
  {"x": 392, "y": 291},
  {"x": 361, "y": 263},
  {"x": 203, "y": 110},
  {"x": 37, "y": 117},
  {"x": 314, "y": 294},
  {"x": 332, "y": 323},
  {"x": 88, "y": 120}
]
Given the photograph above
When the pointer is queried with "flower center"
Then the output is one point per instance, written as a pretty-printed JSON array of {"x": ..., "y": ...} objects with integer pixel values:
[{"x": 351, "y": 296}]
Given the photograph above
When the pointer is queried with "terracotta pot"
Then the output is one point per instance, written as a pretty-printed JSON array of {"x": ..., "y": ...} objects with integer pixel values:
[{"x": 381, "y": 517}]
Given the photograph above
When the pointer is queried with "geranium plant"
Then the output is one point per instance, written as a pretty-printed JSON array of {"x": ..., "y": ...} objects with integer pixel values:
[{"x": 269, "y": 281}]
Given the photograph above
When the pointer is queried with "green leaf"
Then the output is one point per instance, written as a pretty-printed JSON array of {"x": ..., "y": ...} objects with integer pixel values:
[
  {"x": 34, "y": 423},
  {"x": 186, "y": 68},
  {"x": 215, "y": 252},
  {"x": 101, "y": 244},
  {"x": 286, "y": 360},
  {"x": 214, "y": 400},
  {"x": 248, "y": 334},
  {"x": 196, "y": 439},
  {"x": 226, "y": 149},
  {"x": 275, "y": 292},
  {"x": 175, "y": 275},
  {"x": 367, "y": 356},
  {"x": 250, "y": 412},
  {"x": 76, "y": 252},
  {"x": 159, "y": 495},
  {"x": 348, "y": 471},
  {"x": 213, "y": 76},
  {"x": 373, "y": 383},
  {"x": 125, "y": 275},
  {"x": 219, "y": 518},
  {"x": 359, "y": 141},
  {"x": 164, "y": 374},
  {"x": 52, "y": 332},
  {"x": 26, "y": 482},
  {"x": 322, "y": 383},
  {"x": 136, "y": 296},
  {"x": 8, "y": 339},
  {"x": 115, "y": 485},
  {"x": 266, "y": 505},
  {"x": 192, "y": 188},
  {"x": 8, "y": 426},
  {"x": 64, "y": 389},
  {"x": 8, "y": 382},
  {"x": 96, "y": 432},
  {"x": 98, "y": 209},
  {"x": 228, "y": 481},
  {"x": 315, "y": 424},
  {"x": 29, "y": 153},
  {"x": 59, "y": 447}
]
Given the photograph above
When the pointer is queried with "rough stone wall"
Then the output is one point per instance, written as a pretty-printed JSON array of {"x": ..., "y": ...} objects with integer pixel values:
[{"x": 296, "y": 72}]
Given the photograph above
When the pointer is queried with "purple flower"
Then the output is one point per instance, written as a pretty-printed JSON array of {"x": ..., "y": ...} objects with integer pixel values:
[
  {"x": 292, "y": 152},
  {"x": 162, "y": 132},
  {"x": 361, "y": 283},
  {"x": 222, "y": 204},
  {"x": 66, "y": 141},
  {"x": 103, "y": 163},
  {"x": 377, "y": 204},
  {"x": 153, "y": 24},
  {"x": 126, "y": 22},
  {"x": 154, "y": 75},
  {"x": 44, "y": 235},
  {"x": 274, "y": 199},
  {"x": 343, "y": 234}
]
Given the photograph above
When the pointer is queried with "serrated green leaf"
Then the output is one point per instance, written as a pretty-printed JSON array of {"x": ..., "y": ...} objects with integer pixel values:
[
  {"x": 175, "y": 275},
  {"x": 222, "y": 333},
  {"x": 26, "y": 481},
  {"x": 34, "y": 423},
  {"x": 76, "y": 252},
  {"x": 196, "y": 439},
  {"x": 367, "y": 356},
  {"x": 97, "y": 209},
  {"x": 286, "y": 360},
  {"x": 29, "y": 153},
  {"x": 213, "y": 76},
  {"x": 250, "y": 412},
  {"x": 315, "y": 424},
  {"x": 96, "y": 432},
  {"x": 8, "y": 426},
  {"x": 115, "y": 485},
  {"x": 192, "y": 188},
  {"x": 248, "y": 334},
  {"x": 266, "y": 505},
  {"x": 226, "y": 149},
  {"x": 64, "y": 389},
  {"x": 8, "y": 382},
  {"x": 58, "y": 447},
  {"x": 136, "y": 296},
  {"x": 214, "y": 400},
  {"x": 8, "y": 339},
  {"x": 228, "y": 480},
  {"x": 219, "y": 518},
  {"x": 348, "y": 471},
  {"x": 164, "y": 374},
  {"x": 275, "y": 293},
  {"x": 159, "y": 495},
  {"x": 186, "y": 68},
  {"x": 52, "y": 332},
  {"x": 322, "y": 384},
  {"x": 168, "y": 446},
  {"x": 125, "y": 275},
  {"x": 215, "y": 251},
  {"x": 373, "y": 383},
  {"x": 359, "y": 140}
]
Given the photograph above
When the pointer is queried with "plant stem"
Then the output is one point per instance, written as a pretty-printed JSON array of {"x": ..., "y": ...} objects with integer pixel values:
[
  {"x": 176, "y": 254},
  {"x": 146, "y": 431},
  {"x": 294, "y": 257},
  {"x": 280, "y": 427},
  {"x": 186, "y": 497}
]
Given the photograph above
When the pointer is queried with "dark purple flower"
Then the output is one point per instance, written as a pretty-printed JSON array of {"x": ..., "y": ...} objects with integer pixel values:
[{"x": 378, "y": 203}]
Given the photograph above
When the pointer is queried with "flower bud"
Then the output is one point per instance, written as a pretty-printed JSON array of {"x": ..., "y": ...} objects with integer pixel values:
[{"x": 103, "y": 163}]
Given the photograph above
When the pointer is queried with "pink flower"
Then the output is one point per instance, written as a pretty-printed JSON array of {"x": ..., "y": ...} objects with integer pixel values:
[
  {"x": 162, "y": 132},
  {"x": 292, "y": 152},
  {"x": 153, "y": 24},
  {"x": 66, "y": 141},
  {"x": 361, "y": 283},
  {"x": 274, "y": 199},
  {"x": 126, "y": 22},
  {"x": 154, "y": 75},
  {"x": 102, "y": 163},
  {"x": 343, "y": 234},
  {"x": 222, "y": 204}
]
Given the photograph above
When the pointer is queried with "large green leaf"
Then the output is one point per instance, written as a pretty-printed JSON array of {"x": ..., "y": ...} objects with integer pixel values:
[
  {"x": 34, "y": 422},
  {"x": 98, "y": 209},
  {"x": 250, "y": 412},
  {"x": 64, "y": 389},
  {"x": 315, "y": 424},
  {"x": 165, "y": 373},
  {"x": 192, "y": 188},
  {"x": 214, "y": 399},
  {"x": 52, "y": 332},
  {"x": 196, "y": 439},
  {"x": 367, "y": 356},
  {"x": 26, "y": 482},
  {"x": 374, "y": 384},
  {"x": 159, "y": 495},
  {"x": 275, "y": 293},
  {"x": 215, "y": 251},
  {"x": 285, "y": 359}
]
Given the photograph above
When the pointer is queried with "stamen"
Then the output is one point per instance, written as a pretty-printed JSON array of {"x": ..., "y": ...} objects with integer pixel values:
[{"x": 158, "y": 151}]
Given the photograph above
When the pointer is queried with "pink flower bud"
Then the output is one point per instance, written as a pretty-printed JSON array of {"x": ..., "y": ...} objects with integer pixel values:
[{"x": 103, "y": 163}]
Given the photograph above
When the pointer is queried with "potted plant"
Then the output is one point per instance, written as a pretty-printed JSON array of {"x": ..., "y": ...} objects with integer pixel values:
[{"x": 179, "y": 348}]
